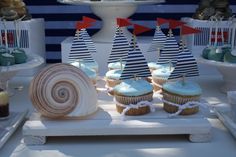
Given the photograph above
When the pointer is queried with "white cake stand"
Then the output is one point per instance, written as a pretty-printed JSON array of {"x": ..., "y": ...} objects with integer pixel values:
[
  {"x": 227, "y": 70},
  {"x": 108, "y": 11},
  {"x": 7, "y": 72}
]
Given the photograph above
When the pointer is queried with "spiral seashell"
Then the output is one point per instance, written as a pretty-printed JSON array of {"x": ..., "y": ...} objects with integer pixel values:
[{"x": 62, "y": 90}]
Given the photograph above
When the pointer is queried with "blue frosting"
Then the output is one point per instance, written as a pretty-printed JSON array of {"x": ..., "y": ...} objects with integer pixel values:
[
  {"x": 91, "y": 65},
  {"x": 187, "y": 89},
  {"x": 154, "y": 65},
  {"x": 114, "y": 74},
  {"x": 116, "y": 65},
  {"x": 89, "y": 72},
  {"x": 133, "y": 88},
  {"x": 163, "y": 72}
]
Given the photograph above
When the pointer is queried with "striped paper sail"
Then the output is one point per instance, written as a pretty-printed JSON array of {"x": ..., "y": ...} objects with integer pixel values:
[
  {"x": 79, "y": 50},
  {"x": 88, "y": 41},
  {"x": 158, "y": 40},
  {"x": 120, "y": 47},
  {"x": 170, "y": 51},
  {"x": 186, "y": 66},
  {"x": 136, "y": 65}
]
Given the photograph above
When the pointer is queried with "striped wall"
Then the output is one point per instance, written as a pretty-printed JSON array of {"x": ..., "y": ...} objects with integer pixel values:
[{"x": 60, "y": 19}]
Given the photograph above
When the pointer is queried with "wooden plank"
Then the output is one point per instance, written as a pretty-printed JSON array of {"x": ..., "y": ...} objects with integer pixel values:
[
  {"x": 107, "y": 121},
  {"x": 8, "y": 126}
]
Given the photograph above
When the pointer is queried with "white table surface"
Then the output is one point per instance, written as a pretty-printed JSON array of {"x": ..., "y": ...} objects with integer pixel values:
[{"x": 222, "y": 144}]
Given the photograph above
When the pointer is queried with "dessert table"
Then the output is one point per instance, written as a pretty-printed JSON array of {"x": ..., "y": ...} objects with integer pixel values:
[{"x": 222, "y": 143}]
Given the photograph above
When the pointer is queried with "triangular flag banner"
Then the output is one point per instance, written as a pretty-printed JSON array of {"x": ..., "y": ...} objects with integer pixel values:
[
  {"x": 88, "y": 19},
  {"x": 123, "y": 22},
  {"x": 189, "y": 30},
  {"x": 82, "y": 25},
  {"x": 138, "y": 29},
  {"x": 174, "y": 23},
  {"x": 161, "y": 21}
]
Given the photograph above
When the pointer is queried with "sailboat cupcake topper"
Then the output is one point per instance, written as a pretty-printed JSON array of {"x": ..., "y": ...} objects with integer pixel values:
[
  {"x": 159, "y": 37},
  {"x": 171, "y": 48},
  {"x": 79, "y": 49},
  {"x": 136, "y": 64},
  {"x": 86, "y": 36},
  {"x": 186, "y": 65},
  {"x": 120, "y": 46}
]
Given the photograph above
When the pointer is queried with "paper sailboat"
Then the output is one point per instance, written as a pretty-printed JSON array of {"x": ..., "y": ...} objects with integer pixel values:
[
  {"x": 171, "y": 48},
  {"x": 88, "y": 41},
  {"x": 159, "y": 37},
  {"x": 186, "y": 66},
  {"x": 136, "y": 64},
  {"x": 120, "y": 47},
  {"x": 79, "y": 49}
]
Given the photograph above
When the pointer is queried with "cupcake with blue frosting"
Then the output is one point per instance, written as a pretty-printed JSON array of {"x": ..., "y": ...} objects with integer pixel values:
[
  {"x": 116, "y": 65},
  {"x": 89, "y": 72},
  {"x": 181, "y": 93},
  {"x": 154, "y": 66},
  {"x": 113, "y": 77},
  {"x": 160, "y": 76},
  {"x": 132, "y": 92}
]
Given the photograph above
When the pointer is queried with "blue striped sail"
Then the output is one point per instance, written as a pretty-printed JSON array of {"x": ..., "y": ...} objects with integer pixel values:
[
  {"x": 186, "y": 66},
  {"x": 136, "y": 65},
  {"x": 79, "y": 50},
  {"x": 88, "y": 41},
  {"x": 170, "y": 51},
  {"x": 120, "y": 47},
  {"x": 158, "y": 40}
]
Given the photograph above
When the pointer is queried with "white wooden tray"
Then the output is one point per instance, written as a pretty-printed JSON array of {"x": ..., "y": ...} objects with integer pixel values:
[
  {"x": 9, "y": 125},
  {"x": 226, "y": 118},
  {"x": 107, "y": 121}
]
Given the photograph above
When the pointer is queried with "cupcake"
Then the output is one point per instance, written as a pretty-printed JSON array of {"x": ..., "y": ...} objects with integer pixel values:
[
  {"x": 89, "y": 72},
  {"x": 180, "y": 93},
  {"x": 160, "y": 76},
  {"x": 20, "y": 56},
  {"x": 112, "y": 78},
  {"x": 154, "y": 66},
  {"x": 90, "y": 65},
  {"x": 116, "y": 65},
  {"x": 7, "y": 59},
  {"x": 4, "y": 104},
  {"x": 132, "y": 92}
]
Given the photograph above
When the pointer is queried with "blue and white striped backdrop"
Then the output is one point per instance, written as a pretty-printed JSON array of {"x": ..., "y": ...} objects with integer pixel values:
[{"x": 60, "y": 18}]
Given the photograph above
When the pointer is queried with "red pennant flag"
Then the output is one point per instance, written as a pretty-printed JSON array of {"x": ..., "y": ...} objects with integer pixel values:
[
  {"x": 161, "y": 21},
  {"x": 138, "y": 29},
  {"x": 88, "y": 19},
  {"x": 189, "y": 30},
  {"x": 80, "y": 25},
  {"x": 123, "y": 22},
  {"x": 174, "y": 23}
]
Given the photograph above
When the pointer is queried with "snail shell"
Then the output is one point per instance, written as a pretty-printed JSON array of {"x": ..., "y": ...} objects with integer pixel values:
[{"x": 60, "y": 90}]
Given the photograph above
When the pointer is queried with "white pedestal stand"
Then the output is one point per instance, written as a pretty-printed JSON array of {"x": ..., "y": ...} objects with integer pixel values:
[{"x": 108, "y": 11}]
